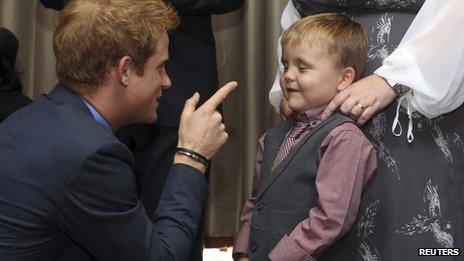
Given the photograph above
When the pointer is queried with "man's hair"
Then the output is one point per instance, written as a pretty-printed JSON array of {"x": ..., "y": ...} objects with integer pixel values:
[
  {"x": 92, "y": 35},
  {"x": 344, "y": 39}
]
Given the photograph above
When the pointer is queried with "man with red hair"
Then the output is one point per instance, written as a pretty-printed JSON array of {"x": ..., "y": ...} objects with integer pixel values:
[{"x": 69, "y": 183}]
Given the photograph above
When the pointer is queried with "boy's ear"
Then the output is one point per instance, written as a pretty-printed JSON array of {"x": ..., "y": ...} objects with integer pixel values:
[
  {"x": 347, "y": 78},
  {"x": 123, "y": 70}
]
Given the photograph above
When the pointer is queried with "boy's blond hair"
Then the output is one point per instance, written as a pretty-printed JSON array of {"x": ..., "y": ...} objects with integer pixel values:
[
  {"x": 92, "y": 35},
  {"x": 344, "y": 39}
]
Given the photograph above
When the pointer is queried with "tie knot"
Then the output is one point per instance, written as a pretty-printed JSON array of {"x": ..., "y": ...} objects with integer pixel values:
[
  {"x": 299, "y": 127},
  {"x": 300, "y": 117}
]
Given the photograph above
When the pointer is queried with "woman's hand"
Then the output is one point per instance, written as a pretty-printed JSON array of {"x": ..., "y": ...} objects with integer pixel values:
[{"x": 362, "y": 99}]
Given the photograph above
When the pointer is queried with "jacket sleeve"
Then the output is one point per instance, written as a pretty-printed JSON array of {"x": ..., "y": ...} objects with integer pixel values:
[
  {"x": 102, "y": 213},
  {"x": 205, "y": 7},
  {"x": 54, "y": 4}
]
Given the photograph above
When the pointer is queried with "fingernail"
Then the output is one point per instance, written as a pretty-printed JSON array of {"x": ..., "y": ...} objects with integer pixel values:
[{"x": 323, "y": 116}]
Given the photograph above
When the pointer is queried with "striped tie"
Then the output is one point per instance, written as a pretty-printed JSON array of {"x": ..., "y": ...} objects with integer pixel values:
[{"x": 300, "y": 125}]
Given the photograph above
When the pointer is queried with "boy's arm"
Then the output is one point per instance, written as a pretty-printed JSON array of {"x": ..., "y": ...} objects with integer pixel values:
[
  {"x": 242, "y": 237},
  {"x": 347, "y": 162}
]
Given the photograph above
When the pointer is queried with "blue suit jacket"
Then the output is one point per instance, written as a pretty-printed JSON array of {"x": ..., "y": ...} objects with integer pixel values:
[{"x": 68, "y": 183}]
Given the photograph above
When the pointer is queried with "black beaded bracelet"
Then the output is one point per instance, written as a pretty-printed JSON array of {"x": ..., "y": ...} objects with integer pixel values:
[{"x": 193, "y": 155}]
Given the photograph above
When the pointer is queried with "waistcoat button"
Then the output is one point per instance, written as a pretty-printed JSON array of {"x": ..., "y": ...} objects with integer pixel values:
[{"x": 253, "y": 247}]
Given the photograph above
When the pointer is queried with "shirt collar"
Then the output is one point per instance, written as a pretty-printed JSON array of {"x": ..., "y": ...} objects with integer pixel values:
[
  {"x": 313, "y": 115},
  {"x": 97, "y": 116}
]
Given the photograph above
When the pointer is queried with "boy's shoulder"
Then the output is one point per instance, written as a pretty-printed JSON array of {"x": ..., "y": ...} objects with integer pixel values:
[
  {"x": 349, "y": 130},
  {"x": 344, "y": 125},
  {"x": 348, "y": 126}
]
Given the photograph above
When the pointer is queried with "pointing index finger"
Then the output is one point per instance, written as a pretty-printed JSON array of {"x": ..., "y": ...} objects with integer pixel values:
[{"x": 212, "y": 103}]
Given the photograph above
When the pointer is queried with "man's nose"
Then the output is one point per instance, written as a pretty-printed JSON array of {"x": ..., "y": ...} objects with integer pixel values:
[{"x": 166, "y": 81}]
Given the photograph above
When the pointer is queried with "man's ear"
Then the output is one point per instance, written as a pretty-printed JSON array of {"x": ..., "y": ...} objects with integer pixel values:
[
  {"x": 123, "y": 70},
  {"x": 347, "y": 78}
]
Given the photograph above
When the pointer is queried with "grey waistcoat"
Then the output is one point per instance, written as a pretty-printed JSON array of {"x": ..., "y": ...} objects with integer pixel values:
[{"x": 285, "y": 196}]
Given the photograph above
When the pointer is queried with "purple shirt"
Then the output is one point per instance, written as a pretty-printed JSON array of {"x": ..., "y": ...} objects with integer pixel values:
[{"x": 347, "y": 162}]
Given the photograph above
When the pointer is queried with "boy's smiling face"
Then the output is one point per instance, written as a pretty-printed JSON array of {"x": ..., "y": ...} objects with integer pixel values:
[{"x": 311, "y": 76}]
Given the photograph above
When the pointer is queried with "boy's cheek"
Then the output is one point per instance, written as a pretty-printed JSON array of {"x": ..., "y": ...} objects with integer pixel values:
[
  {"x": 285, "y": 94},
  {"x": 284, "y": 91},
  {"x": 282, "y": 83},
  {"x": 294, "y": 101}
]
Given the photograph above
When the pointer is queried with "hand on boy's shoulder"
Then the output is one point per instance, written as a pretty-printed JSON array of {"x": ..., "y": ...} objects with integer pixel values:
[{"x": 362, "y": 100}]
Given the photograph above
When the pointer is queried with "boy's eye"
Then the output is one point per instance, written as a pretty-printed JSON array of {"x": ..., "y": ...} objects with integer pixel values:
[
  {"x": 303, "y": 67},
  {"x": 284, "y": 64}
]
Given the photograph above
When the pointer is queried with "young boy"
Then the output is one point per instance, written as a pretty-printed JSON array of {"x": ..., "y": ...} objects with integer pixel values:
[{"x": 309, "y": 174}]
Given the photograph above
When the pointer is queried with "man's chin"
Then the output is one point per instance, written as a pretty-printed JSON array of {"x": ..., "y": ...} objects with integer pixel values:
[
  {"x": 148, "y": 120},
  {"x": 153, "y": 119}
]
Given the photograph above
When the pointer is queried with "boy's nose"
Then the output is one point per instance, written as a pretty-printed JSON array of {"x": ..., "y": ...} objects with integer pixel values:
[{"x": 289, "y": 76}]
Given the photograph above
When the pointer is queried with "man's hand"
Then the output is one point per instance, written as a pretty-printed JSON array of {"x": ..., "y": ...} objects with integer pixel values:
[
  {"x": 362, "y": 99},
  {"x": 285, "y": 111},
  {"x": 202, "y": 130}
]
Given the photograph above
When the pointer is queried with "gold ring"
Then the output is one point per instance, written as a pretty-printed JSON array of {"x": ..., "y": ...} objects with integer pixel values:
[{"x": 360, "y": 106}]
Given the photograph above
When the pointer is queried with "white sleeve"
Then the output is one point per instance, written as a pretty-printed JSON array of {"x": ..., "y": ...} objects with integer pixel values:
[
  {"x": 289, "y": 16},
  {"x": 430, "y": 58}
]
